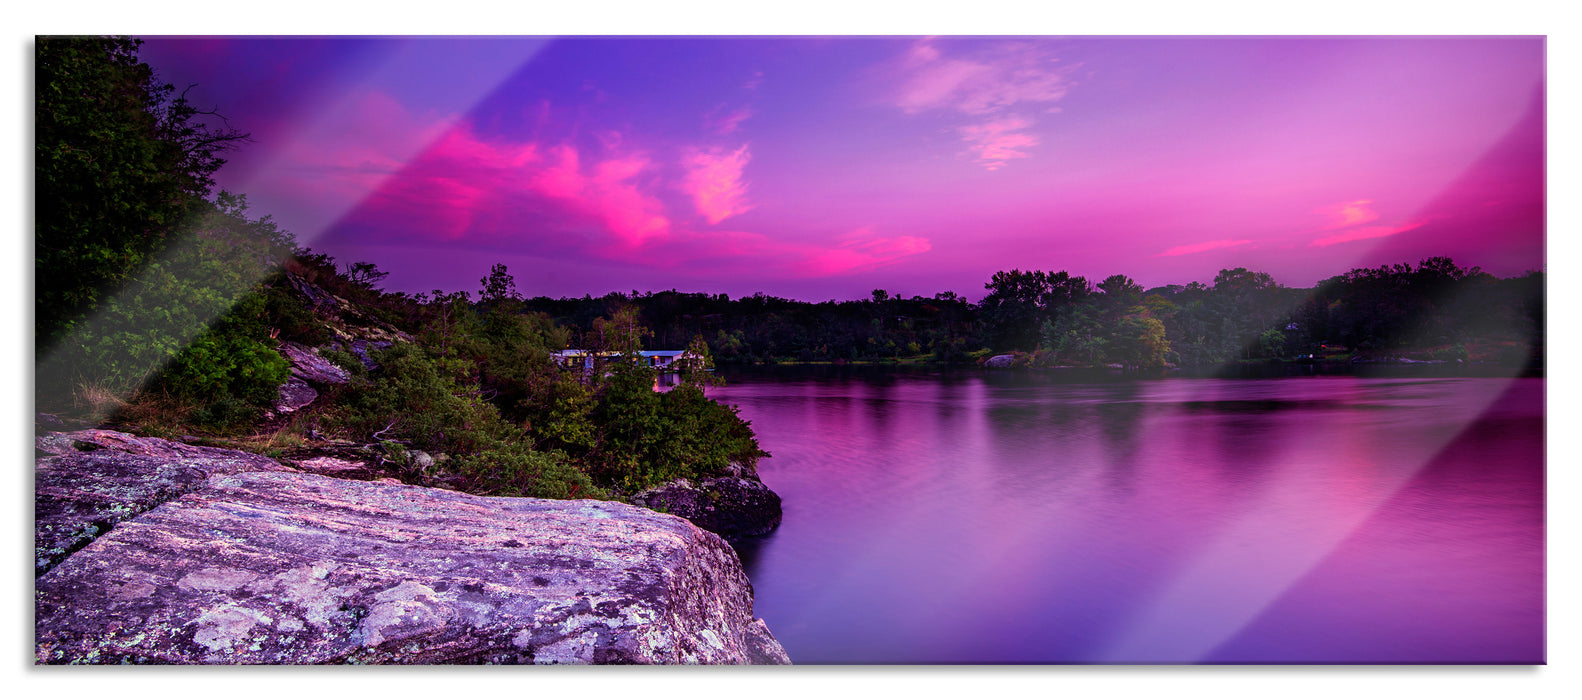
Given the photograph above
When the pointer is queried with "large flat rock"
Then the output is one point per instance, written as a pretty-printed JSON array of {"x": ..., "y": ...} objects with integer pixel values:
[
  {"x": 79, "y": 495},
  {"x": 286, "y": 568}
]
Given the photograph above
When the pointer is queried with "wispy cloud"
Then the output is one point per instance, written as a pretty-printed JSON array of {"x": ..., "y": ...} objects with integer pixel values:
[
  {"x": 1345, "y": 219},
  {"x": 989, "y": 82},
  {"x": 860, "y": 251},
  {"x": 999, "y": 140},
  {"x": 714, "y": 180},
  {"x": 1202, "y": 247},
  {"x": 558, "y": 200},
  {"x": 1346, "y": 214},
  {"x": 1366, "y": 232},
  {"x": 463, "y": 187},
  {"x": 722, "y": 121},
  {"x": 994, "y": 89},
  {"x": 747, "y": 252}
]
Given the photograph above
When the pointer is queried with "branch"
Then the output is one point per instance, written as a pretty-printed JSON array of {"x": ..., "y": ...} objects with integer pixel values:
[{"x": 386, "y": 429}]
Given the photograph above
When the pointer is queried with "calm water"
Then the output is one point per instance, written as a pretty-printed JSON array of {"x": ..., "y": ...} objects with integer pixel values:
[{"x": 1027, "y": 518}]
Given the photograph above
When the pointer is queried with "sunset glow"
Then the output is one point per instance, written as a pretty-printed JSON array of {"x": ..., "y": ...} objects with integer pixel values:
[{"x": 819, "y": 168}]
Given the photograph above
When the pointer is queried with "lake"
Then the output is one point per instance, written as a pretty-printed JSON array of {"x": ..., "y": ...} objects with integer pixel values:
[{"x": 1044, "y": 517}]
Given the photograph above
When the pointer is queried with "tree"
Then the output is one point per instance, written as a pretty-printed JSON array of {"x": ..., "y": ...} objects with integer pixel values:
[
  {"x": 1139, "y": 343},
  {"x": 118, "y": 164},
  {"x": 1018, "y": 302},
  {"x": 498, "y": 286},
  {"x": 364, "y": 274},
  {"x": 698, "y": 364}
]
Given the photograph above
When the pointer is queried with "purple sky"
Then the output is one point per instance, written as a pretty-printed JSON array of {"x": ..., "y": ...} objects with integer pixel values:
[{"x": 825, "y": 168}]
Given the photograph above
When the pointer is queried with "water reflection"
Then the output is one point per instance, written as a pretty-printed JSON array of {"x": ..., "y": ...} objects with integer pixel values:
[{"x": 962, "y": 518}]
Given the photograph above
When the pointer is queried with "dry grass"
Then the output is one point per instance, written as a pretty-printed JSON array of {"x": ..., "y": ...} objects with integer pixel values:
[
  {"x": 154, "y": 412},
  {"x": 270, "y": 444},
  {"x": 95, "y": 402}
]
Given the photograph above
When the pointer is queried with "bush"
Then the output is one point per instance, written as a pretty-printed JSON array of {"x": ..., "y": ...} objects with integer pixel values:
[
  {"x": 516, "y": 471},
  {"x": 191, "y": 320},
  {"x": 410, "y": 399},
  {"x": 225, "y": 414},
  {"x": 648, "y": 438}
]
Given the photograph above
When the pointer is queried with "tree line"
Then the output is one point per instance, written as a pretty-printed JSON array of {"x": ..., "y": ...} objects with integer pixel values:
[{"x": 1436, "y": 308}]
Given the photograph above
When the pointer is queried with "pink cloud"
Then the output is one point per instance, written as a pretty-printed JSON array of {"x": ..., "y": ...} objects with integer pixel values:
[
  {"x": 747, "y": 253},
  {"x": 1346, "y": 214},
  {"x": 1201, "y": 247},
  {"x": 859, "y": 252},
  {"x": 465, "y": 187},
  {"x": 728, "y": 122},
  {"x": 557, "y": 200},
  {"x": 1363, "y": 233},
  {"x": 986, "y": 83},
  {"x": 714, "y": 180},
  {"x": 561, "y": 178},
  {"x": 991, "y": 87},
  {"x": 998, "y": 140},
  {"x": 633, "y": 215}
]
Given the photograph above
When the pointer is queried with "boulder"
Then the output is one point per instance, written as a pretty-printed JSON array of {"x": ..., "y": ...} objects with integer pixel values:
[
  {"x": 307, "y": 366},
  {"x": 1000, "y": 361},
  {"x": 732, "y": 506},
  {"x": 284, "y": 568},
  {"x": 295, "y": 394},
  {"x": 79, "y": 496}
]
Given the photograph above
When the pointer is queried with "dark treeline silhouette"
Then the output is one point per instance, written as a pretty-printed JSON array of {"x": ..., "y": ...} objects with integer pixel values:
[{"x": 1436, "y": 310}]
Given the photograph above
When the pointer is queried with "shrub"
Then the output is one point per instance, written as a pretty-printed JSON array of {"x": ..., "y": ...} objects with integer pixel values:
[
  {"x": 412, "y": 399},
  {"x": 648, "y": 438},
  {"x": 517, "y": 471}
]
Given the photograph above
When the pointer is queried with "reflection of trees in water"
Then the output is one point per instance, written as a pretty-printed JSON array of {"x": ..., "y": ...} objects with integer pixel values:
[{"x": 1119, "y": 419}]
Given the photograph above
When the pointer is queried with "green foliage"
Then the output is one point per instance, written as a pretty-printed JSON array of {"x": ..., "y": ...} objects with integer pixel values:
[
  {"x": 119, "y": 163},
  {"x": 415, "y": 402},
  {"x": 226, "y": 361},
  {"x": 288, "y": 317},
  {"x": 1271, "y": 343},
  {"x": 1139, "y": 342},
  {"x": 225, "y": 415},
  {"x": 558, "y": 414},
  {"x": 192, "y": 319},
  {"x": 1019, "y": 302},
  {"x": 509, "y": 471},
  {"x": 648, "y": 438},
  {"x": 415, "y": 397}
]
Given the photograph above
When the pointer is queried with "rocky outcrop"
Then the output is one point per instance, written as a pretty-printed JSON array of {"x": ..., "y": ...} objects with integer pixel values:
[
  {"x": 100, "y": 439},
  {"x": 1000, "y": 362},
  {"x": 733, "y": 506},
  {"x": 288, "y": 568},
  {"x": 345, "y": 321},
  {"x": 307, "y": 371},
  {"x": 79, "y": 495},
  {"x": 309, "y": 367}
]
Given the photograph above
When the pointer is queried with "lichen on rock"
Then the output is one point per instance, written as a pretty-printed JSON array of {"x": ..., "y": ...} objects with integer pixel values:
[{"x": 288, "y": 568}]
